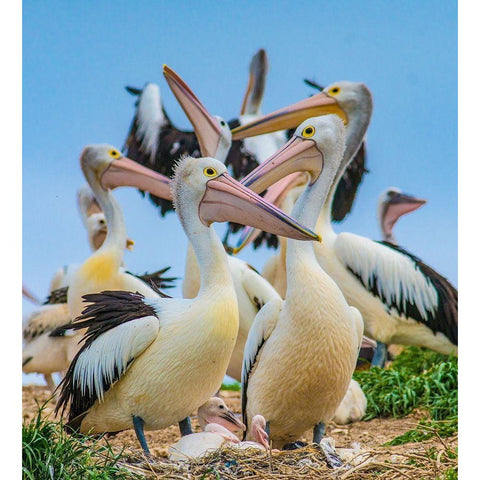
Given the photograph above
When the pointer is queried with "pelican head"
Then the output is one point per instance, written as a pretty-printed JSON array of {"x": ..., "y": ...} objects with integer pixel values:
[
  {"x": 392, "y": 204},
  {"x": 343, "y": 98},
  {"x": 313, "y": 140},
  {"x": 212, "y": 132},
  {"x": 259, "y": 433},
  {"x": 106, "y": 168},
  {"x": 216, "y": 411},
  {"x": 205, "y": 185}
]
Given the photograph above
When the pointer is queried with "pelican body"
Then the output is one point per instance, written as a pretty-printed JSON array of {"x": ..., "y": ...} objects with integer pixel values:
[{"x": 301, "y": 352}]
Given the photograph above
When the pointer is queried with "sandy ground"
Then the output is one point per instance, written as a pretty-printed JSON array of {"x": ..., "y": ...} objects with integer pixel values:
[{"x": 369, "y": 435}]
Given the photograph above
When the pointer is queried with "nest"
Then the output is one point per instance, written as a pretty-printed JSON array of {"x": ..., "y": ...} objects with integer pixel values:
[{"x": 304, "y": 463}]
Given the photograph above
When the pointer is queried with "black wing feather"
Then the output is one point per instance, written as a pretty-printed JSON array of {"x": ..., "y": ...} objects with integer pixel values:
[
  {"x": 57, "y": 296},
  {"x": 157, "y": 279},
  {"x": 106, "y": 310}
]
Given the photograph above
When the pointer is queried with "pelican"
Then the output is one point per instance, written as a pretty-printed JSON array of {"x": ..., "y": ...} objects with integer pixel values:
[
  {"x": 48, "y": 346},
  {"x": 401, "y": 299},
  {"x": 251, "y": 289},
  {"x": 302, "y": 351},
  {"x": 393, "y": 204},
  {"x": 148, "y": 362}
]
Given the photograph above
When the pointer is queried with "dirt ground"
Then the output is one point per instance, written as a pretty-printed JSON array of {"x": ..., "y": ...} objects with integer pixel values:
[{"x": 369, "y": 435}]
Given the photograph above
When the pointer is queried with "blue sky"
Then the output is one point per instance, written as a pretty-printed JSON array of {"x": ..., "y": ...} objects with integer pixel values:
[{"x": 78, "y": 56}]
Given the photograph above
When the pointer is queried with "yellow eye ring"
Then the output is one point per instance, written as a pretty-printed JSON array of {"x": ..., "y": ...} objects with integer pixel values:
[
  {"x": 334, "y": 91},
  {"x": 114, "y": 153},
  {"x": 209, "y": 171},
  {"x": 308, "y": 132}
]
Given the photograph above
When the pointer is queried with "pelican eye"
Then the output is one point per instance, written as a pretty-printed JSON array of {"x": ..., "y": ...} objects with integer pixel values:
[
  {"x": 114, "y": 153},
  {"x": 222, "y": 123},
  {"x": 209, "y": 171},
  {"x": 308, "y": 132},
  {"x": 334, "y": 91}
]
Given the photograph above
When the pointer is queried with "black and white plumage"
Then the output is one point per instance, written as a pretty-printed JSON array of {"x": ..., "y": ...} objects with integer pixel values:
[{"x": 119, "y": 315}]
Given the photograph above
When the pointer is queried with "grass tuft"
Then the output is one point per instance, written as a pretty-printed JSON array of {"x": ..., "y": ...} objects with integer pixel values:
[
  {"x": 48, "y": 452},
  {"x": 417, "y": 378},
  {"x": 234, "y": 386}
]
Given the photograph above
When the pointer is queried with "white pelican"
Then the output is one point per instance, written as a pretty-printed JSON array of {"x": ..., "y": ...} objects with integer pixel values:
[
  {"x": 251, "y": 289},
  {"x": 401, "y": 299},
  {"x": 301, "y": 352},
  {"x": 147, "y": 363},
  {"x": 46, "y": 344}
]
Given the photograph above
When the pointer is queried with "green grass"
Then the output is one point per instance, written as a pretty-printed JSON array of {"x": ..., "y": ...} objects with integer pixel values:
[
  {"x": 235, "y": 386},
  {"x": 417, "y": 378},
  {"x": 48, "y": 453}
]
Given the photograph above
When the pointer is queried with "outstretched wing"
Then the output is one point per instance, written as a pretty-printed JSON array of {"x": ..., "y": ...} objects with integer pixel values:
[
  {"x": 261, "y": 329},
  {"x": 120, "y": 326},
  {"x": 406, "y": 286},
  {"x": 157, "y": 279}
]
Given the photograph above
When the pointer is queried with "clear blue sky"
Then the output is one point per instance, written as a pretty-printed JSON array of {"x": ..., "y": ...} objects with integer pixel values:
[{"x": 78, "y": 56}]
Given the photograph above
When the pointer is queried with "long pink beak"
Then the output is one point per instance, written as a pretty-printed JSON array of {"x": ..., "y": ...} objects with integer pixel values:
[
  {"x": 126, "y": 172},
  {"x": 291, "y": 116},
  {"x": 226, "y": 200},
  {"x": 275, "y": 194},
  {"x": 207, "y": 129}
]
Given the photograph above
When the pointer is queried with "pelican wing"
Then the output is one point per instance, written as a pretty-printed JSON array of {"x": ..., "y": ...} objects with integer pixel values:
[
  {"x": 120, "y": 326},
  {"x": 157, "y": 279},
  {"x": 57, "y": 296},
  {"x": 258, "y": 289},
  {"x": 154, "y": 142},
  {"x": 262, "y": 327},
  {"x": 407, "y": 287}
]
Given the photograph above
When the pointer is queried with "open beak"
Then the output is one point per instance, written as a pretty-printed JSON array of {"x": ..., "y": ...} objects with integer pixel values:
[
  {"x": 275, "y": 194},
  {"x": 226, "y": 200},
  {"x": 125, "y": 172},
  {"x": 207, "y": 129},
  {"x": 229, "y": 420},
  {"x": 398, "y": 205},
  {"x": 291, "y": 116}
]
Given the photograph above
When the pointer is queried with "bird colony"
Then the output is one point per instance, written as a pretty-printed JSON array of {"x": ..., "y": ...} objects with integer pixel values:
[{"x": 132, "y": 357}]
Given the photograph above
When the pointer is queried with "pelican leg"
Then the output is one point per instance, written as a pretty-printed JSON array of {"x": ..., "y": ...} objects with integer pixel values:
[
  {"x": 138, "y": 426},
  {"x": 267, "y": 428},
  {"x": 50, "y": 382},
  {"x": 380, "y": 355},
  {"x": 185, "y": 427},
  {"x": 318, "y": 432}
]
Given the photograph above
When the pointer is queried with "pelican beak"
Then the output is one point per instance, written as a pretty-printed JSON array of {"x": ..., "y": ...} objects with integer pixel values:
[
  {"x": 291, "y": 116},
  {"x": 207, "y": 129},
  {"x": 275, "y": 195},
  {"x": 123, "y": 172},
  {"x": 230, "y": 421},
  {"x": 226, "y": 200},
  {"x": 297, "y": 155},
  {"x": 398, "y": 205}
]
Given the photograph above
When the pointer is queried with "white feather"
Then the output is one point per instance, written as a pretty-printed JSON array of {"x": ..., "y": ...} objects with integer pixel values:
[
  {"x": 111, "y": 352},
  {"x": 398, "y": 278},
  {"x": 150, "y": 118}
]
